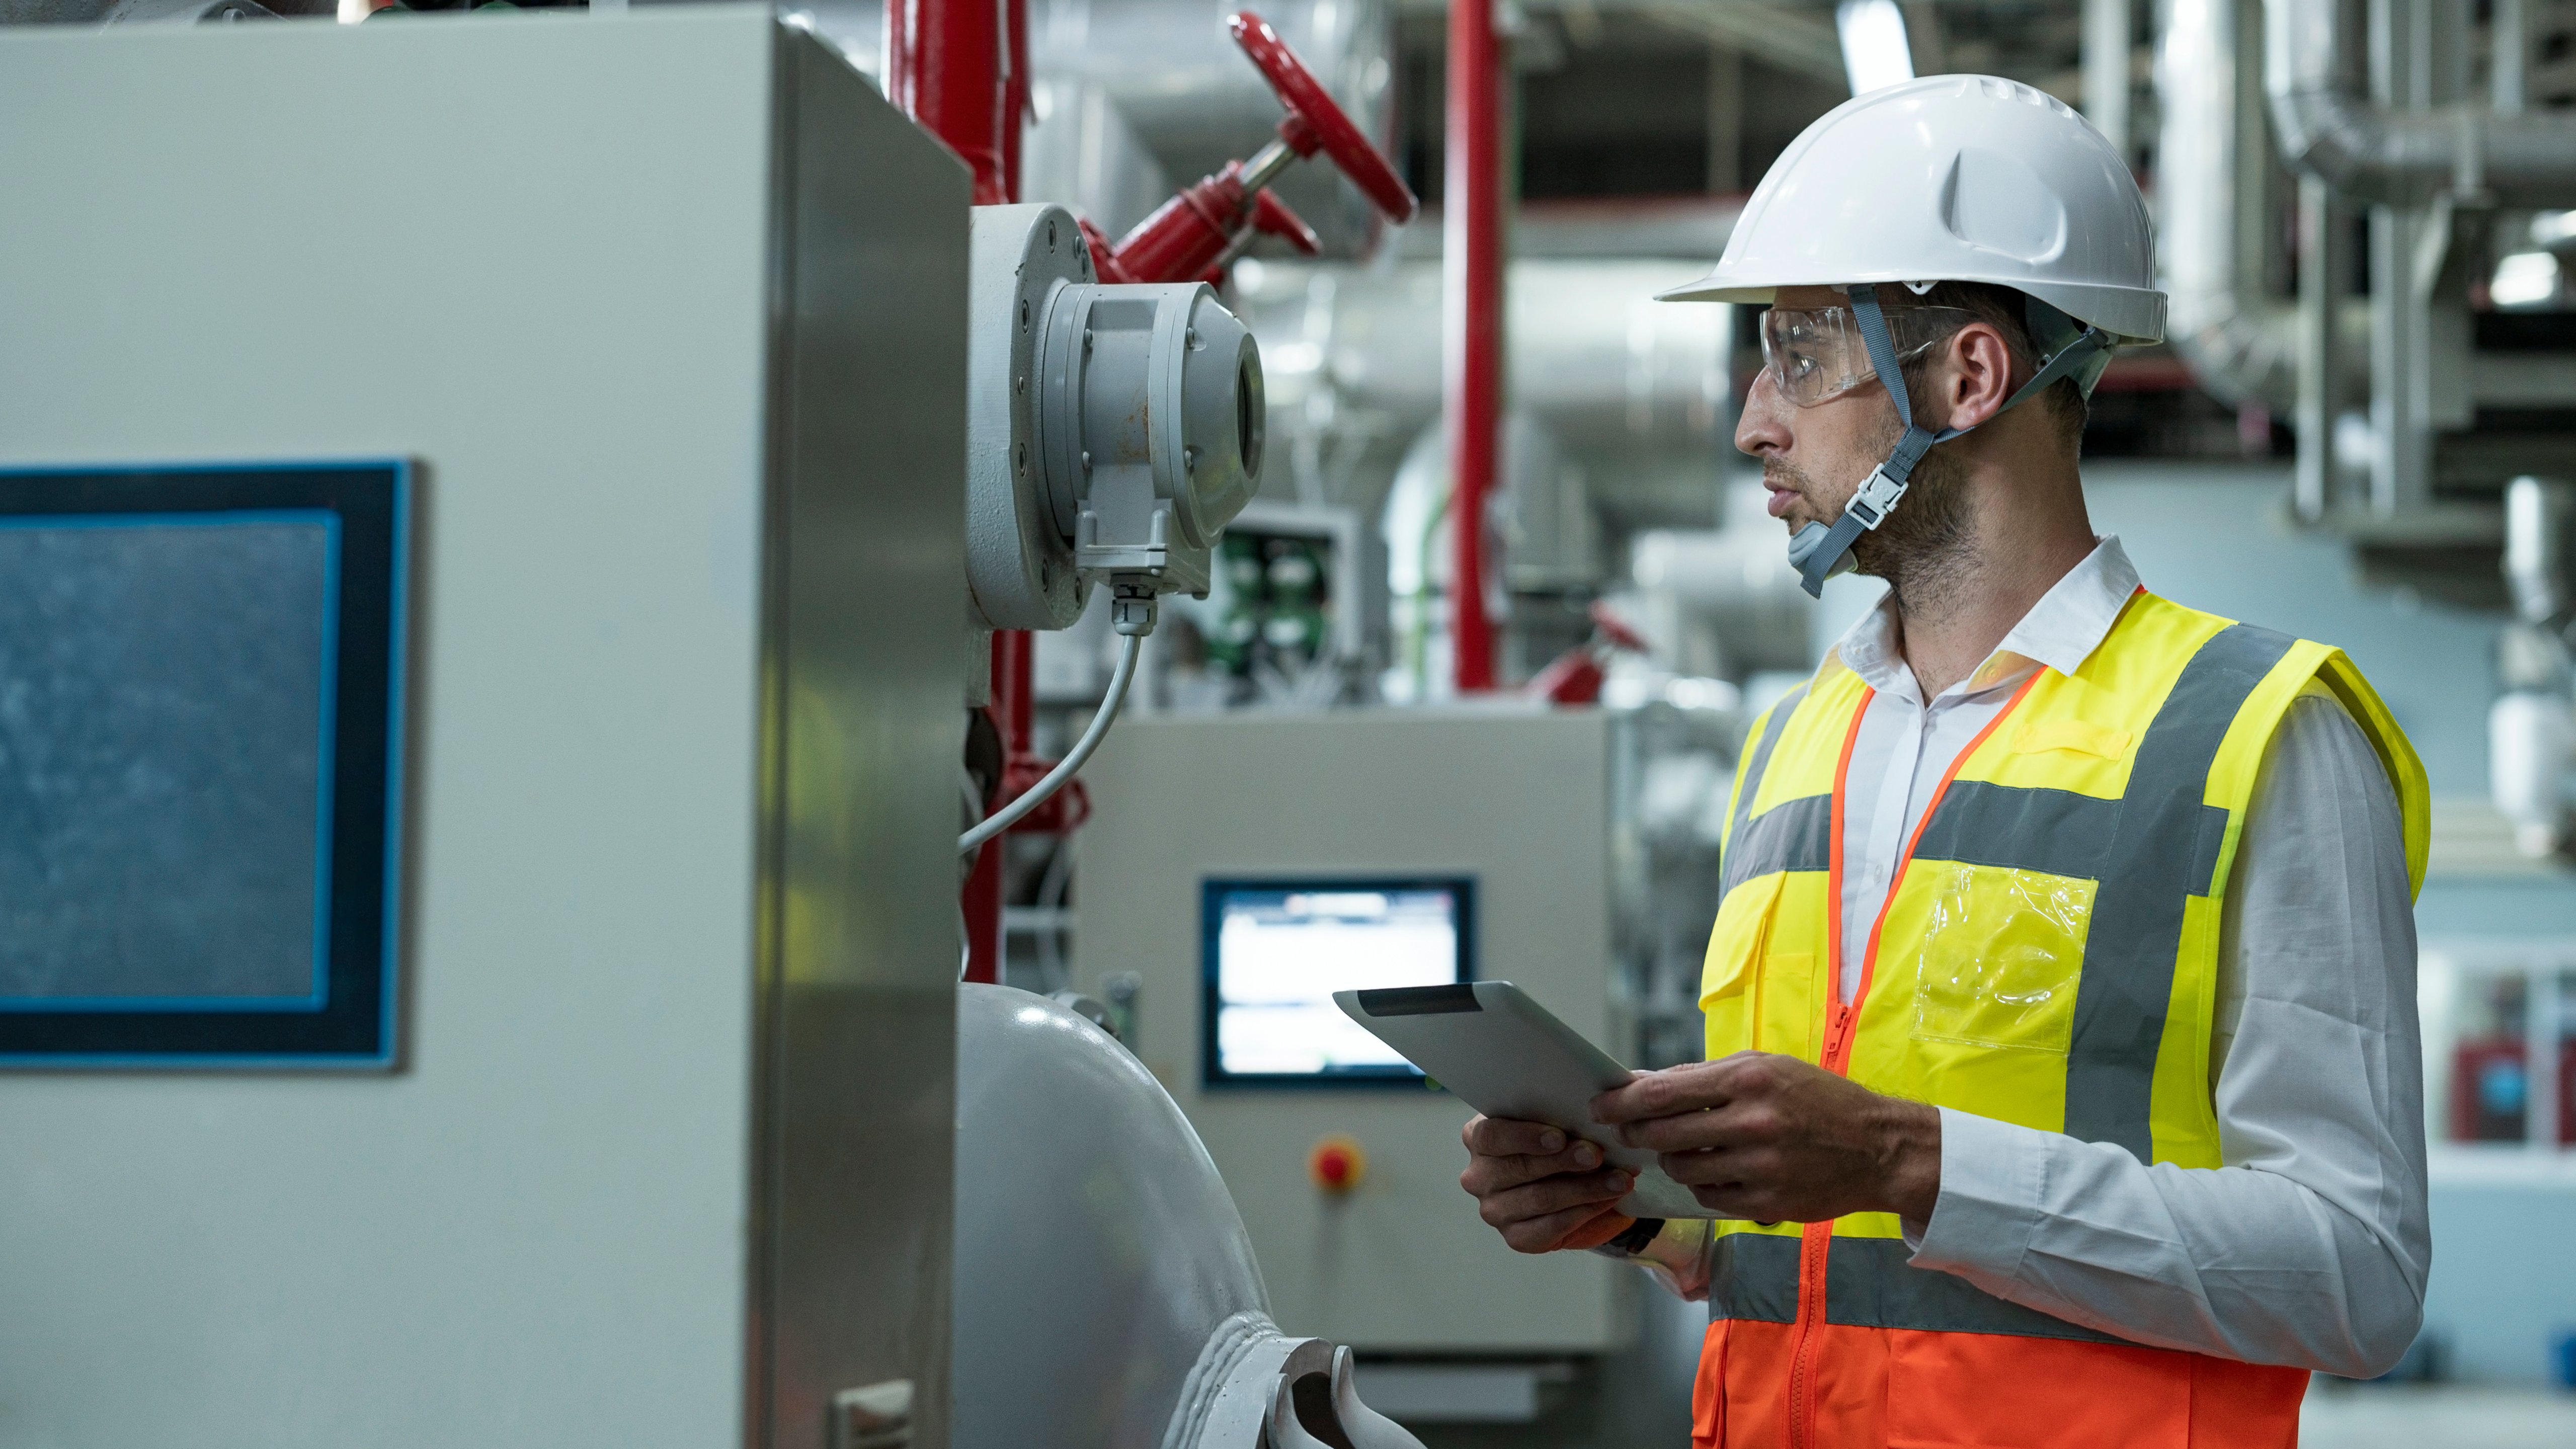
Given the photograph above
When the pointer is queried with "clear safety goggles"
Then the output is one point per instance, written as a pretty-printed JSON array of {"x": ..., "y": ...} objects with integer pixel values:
[{"x": 1818, "y": 353}]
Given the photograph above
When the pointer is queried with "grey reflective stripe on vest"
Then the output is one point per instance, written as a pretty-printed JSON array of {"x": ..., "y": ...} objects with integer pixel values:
[
  {"x": 1868, "y": 1284},
  {"x": 2164, "y": 850},
  {"x": 2149, "y": 850},
  {"x": 1753, "y": 1276},
  {"x": 1792, "y": 835}
]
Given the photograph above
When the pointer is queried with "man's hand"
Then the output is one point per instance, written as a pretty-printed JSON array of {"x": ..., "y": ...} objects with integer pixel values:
[
  {"x": 1540, "y": 1192},
  {"x": 1774, "y": 1139}
]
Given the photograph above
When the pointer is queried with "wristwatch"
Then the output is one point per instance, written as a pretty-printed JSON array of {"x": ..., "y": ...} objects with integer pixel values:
[{"x": 1633, "y": 1241}]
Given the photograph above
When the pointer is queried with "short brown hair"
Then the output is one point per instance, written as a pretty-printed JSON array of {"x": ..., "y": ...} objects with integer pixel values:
[{"x": 2006, "y": 310}]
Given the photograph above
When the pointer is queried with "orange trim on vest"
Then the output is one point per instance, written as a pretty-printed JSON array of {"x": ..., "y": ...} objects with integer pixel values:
[
  {"x": 1837, "y": 1052},
  {"x": 1815, "y": 1243}
]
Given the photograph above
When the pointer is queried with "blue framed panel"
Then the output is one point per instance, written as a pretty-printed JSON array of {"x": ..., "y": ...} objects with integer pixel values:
[
  {"x": 1272, "y": 952},
  {"x": 201, "y": 678}
]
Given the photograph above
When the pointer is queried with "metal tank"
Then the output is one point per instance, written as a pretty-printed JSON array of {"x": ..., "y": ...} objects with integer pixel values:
[{"x": 1106, "y": 1294}]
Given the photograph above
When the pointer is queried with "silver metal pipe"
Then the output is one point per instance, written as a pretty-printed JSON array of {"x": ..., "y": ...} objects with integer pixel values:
[
  {"x": 2509, "y": 36},
  {"x": 2329, "y": 128},
  {"x": 2212, "y": 228},
  {"x": 2539, "y": 516},
  {"x": 2106, "y": 69},
  {"x": 2324, "y": 260}
]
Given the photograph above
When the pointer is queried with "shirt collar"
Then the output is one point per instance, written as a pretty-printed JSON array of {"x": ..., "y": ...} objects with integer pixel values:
[{"x": 2060, "y": 632}]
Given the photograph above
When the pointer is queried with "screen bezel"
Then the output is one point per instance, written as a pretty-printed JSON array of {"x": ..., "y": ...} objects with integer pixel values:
[
  {"x": 1212, "y": 894},
  {"x": 353, "y": 1024}
]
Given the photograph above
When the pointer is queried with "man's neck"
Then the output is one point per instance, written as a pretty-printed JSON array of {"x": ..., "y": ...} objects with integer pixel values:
[{"x": 1954, "y": 609}]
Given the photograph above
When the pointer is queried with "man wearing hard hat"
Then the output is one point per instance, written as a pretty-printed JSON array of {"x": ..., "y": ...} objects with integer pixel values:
[{"x": 2063, "y": 1086}]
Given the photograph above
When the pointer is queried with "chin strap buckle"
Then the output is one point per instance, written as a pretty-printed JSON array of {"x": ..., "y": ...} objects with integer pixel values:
[{"x": 1876, "y": 498}]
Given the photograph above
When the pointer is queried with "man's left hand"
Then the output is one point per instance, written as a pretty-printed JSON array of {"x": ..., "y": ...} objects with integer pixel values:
[{"x": 1774, "y": 1139}]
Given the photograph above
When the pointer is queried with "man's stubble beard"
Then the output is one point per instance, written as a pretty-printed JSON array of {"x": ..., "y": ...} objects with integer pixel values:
[{"x": 1926, "y": 548}]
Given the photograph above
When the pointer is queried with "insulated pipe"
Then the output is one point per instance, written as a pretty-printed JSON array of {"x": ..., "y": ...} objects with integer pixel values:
[
  {"x": 1472, "y": 284},
  {"x": 2330, "y": 129},
  {"x": 2211, "y": 226},
  {"x": 2105, "y": 61}
]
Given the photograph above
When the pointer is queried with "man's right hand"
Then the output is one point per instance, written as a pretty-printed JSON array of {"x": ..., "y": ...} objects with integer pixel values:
[{"x": 1539, "y": 1190}]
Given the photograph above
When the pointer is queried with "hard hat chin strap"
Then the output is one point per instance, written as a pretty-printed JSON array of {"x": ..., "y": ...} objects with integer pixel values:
[{"x": 1819, "y": 552}]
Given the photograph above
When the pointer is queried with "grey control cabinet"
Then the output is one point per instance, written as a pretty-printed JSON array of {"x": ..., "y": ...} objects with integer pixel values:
[
  {"x": 665, "y": 314},
  {"x": 1516, "y": 801}
]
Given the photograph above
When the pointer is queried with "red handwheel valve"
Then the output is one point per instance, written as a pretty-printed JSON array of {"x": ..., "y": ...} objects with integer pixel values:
[{"x": 1199, "y": 228}]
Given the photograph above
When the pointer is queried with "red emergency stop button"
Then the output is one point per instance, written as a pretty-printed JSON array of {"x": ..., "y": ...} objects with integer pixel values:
[{"x": 1336, "y": 1163}]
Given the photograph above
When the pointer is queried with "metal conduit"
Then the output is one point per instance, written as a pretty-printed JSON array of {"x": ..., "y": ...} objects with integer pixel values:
[{"x": 2331, "y": 130}]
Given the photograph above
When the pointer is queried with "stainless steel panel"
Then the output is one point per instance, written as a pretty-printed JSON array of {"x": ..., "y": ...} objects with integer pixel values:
[{"x": 862, "y": 727}]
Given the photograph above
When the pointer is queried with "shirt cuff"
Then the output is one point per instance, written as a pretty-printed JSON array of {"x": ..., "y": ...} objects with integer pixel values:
[{"x": 1989, "y": 1204}]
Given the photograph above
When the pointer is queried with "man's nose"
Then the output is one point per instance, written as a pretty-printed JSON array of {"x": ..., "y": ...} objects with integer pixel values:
[{"x": 1764, "y": 427}]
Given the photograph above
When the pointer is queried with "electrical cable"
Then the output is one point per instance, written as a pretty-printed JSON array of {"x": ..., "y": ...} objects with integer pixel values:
[
  {"x": 1074, "y": 759},
  {"x": 1050, "y": 937}
]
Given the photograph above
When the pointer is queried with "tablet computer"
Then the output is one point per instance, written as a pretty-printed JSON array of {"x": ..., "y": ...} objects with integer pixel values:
[{"x": 1507, "y": 1056}]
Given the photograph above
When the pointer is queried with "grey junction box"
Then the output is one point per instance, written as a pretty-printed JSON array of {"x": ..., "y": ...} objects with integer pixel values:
[{"x": 666, "y": 312}]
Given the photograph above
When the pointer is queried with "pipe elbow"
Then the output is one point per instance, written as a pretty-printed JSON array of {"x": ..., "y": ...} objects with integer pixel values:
[
  {"x": 2352, "y": 148},
  {"x": 2243, "y": 356}
]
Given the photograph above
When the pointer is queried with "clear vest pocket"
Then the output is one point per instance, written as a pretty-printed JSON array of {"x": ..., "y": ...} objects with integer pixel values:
[{"x": 2000, "y": 953}]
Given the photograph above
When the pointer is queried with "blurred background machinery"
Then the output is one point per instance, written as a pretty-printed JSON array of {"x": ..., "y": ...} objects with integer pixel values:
[{"x": 1500, "y": 534}]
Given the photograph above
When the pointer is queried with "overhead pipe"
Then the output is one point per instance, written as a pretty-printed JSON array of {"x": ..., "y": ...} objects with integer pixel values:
[
  {"x": 2329, "y": 128},
  {"x": 1472, "y": 284},
  {"x": 2212, "y": 227},
  {"x": 2105, "y": 66}
]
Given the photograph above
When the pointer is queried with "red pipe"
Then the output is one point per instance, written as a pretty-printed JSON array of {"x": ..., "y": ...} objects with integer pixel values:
[
  {"x": 1015, "y": 93},
  {"x": 1472, "y": 278},
  {"x": 946, "y": 68},
  {"x": 958, "y": 68}
]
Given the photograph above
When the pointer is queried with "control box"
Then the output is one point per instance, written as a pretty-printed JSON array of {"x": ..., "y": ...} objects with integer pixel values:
[{"x": 1243, "y": 866}]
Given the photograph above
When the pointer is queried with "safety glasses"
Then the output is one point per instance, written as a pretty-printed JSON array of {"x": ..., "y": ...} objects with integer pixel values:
[{"x": 1818, "y": 353}]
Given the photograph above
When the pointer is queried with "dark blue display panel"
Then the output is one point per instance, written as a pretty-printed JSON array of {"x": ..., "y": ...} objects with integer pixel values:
[
  {"x": 200, "y": 681},
  {"x": 1274, "y": 951}
]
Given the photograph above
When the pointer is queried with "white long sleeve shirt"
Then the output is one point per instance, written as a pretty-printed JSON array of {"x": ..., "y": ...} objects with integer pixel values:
[{"x": 2310, "y": 1246}]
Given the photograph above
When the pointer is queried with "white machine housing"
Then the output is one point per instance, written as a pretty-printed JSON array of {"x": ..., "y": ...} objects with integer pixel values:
[{"x": 668, "y": 309}]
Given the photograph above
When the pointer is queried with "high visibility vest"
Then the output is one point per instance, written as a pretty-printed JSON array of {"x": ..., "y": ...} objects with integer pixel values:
[{"x": 2047, "y": 956}]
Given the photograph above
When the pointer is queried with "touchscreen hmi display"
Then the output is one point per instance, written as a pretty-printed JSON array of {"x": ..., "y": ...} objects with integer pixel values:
[
  {"x": 200, "y": 720},
  {"x": 1277, "y": 951}
]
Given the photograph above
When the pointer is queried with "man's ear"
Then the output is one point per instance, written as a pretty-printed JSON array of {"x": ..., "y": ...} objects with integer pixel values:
[{"x": 1977, "y": 378}]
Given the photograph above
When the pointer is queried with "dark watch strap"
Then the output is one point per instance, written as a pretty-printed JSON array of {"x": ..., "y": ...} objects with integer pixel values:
[{"x": 1632, "y": 1242}]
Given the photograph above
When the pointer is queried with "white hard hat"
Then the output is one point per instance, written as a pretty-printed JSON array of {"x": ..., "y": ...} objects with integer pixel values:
[{"x": 1951, "y": 178}]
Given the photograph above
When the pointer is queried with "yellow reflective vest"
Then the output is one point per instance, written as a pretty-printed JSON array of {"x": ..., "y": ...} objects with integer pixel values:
[{"x": 2047, "y": 955}]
